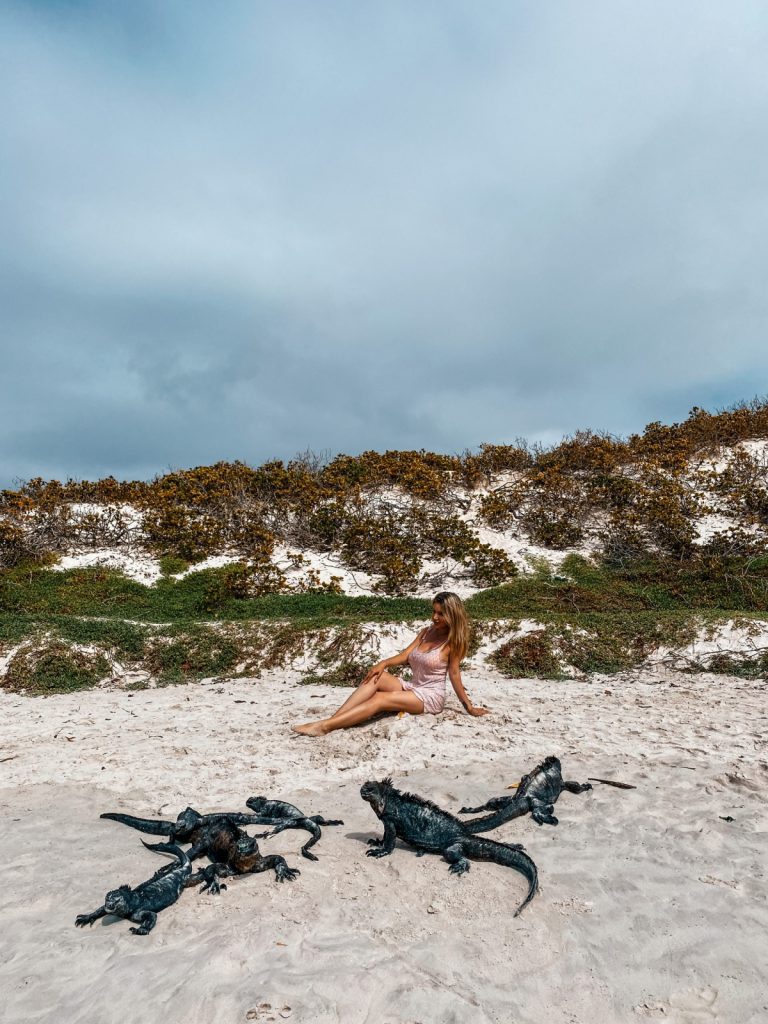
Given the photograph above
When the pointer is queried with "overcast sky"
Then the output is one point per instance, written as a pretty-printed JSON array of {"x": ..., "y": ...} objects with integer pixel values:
[{"x": 238, "y": 230}]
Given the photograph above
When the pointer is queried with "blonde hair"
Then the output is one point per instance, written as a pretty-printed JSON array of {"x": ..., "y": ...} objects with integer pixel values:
[{"x": 458, "y": 623}]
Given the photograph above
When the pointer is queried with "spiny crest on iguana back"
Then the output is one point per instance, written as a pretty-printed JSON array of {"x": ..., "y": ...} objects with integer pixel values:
[
  {"x": 546, "y": 765},
  {"x": 387, "y": 785}
]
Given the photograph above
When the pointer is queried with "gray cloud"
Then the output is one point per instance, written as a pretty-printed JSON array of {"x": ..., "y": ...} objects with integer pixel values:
[{"x": 242, "y": 232}]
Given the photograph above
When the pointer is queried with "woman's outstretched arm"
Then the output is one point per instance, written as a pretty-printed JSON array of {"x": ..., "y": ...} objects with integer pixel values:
[{"x": 454, "y": 674}]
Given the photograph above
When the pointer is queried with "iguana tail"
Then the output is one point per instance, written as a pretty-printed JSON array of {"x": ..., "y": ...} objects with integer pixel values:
[
  {"x": 514, "y": 809},
  {"x": 500, "y": 853},
  {"x": 154, "y": 828},
  {"x": 170, "y": 848}
]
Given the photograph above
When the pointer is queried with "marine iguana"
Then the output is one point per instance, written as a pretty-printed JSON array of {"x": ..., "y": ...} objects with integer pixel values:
[
  {"x": 284, "y": 815},
  {"x": 143, "y": 903},
  {"x": 429, "y": 829},
  {"x": 536, "y": 793},
  {"x": 217, "y": 836},
  {"x": 277, "y": 813},
  {"x": 187, "y": 822}
]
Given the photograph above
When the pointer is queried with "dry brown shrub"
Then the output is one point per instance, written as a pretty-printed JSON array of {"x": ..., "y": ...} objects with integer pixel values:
[
  {"x": 386, "y": 512},
  {"x": 19, "y": 546},
  {"x": 479, "y": 469}
]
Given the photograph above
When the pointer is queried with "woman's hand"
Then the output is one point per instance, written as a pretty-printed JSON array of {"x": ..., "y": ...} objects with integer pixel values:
[
  {"x": 476, "y": 712},
  {"x": 373, "y": 673}
]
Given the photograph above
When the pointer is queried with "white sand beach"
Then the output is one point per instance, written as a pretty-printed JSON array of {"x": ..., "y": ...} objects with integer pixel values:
[{"x": 651, "y": 906}]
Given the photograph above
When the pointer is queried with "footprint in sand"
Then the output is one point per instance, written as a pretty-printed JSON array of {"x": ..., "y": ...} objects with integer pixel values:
[
  {"x": 686, "y": 1007},
  {"x": 266, "y": 1012},
  {"x": 694, "y": 1006}
]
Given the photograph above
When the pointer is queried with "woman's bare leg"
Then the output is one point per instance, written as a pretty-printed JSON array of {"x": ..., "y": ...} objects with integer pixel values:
[
  {"x": 386, "y": 682},
  {"x": 406, "y": 700}
]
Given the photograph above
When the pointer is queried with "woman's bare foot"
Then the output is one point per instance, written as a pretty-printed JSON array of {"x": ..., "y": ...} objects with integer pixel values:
[{"x": 310, "y": 729}]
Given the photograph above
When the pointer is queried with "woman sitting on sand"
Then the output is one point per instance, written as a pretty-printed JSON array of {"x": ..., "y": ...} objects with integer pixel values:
[{"x": 436, "y": 652}]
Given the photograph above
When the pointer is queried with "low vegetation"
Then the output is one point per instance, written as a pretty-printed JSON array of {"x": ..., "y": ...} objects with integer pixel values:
[
  {"x": 53, "y": 666},
  {"x": 636, "y": 504},
  {"x": 591, "y": 618}
]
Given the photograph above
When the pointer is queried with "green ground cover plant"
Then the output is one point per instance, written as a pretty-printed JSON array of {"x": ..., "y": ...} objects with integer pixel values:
[
  {"x": 52, "y": 666},
  {"x": 593, "y": 618},
  {"x": 580, "y": 586}
]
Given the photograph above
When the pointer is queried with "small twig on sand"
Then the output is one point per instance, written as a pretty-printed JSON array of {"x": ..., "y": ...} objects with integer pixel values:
[
  {"x": 612, "y": 782},
  {"x": 10, "y": 758}
]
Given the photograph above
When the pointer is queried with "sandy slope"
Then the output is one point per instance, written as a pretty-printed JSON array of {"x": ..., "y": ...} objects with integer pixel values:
[{"x": 651, "y": 905}]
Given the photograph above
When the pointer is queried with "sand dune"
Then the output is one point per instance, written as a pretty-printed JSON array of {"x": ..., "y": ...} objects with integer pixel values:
[{"x": 652, "y": 906}]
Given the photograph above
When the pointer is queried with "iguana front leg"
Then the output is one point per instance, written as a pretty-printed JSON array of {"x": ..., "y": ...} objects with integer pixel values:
[
  {"x": 278, "y": 827},
  {"x": 282, "y": 872},
  {"x": 87, "y": 919},
  {"x": 146, "y": 920},
  {"x": 209, "y": 877},
  {"x": 454, "y": 854},
  {"x": 384, "y": 846}
]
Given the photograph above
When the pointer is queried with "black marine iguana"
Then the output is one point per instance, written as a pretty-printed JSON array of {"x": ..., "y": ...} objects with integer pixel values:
[
  {"x": 428, "y": 828},
  {"x": 278, "y": 813},
  {"x": 536, "y": 793},
  {"x": 187, "y": 822},
  {"x": 144, "y": 903},
  {"x": 217, "y": 836},
  {"x": 283, "y": 815}
]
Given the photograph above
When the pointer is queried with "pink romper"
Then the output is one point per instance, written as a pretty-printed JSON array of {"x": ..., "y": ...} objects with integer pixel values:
[{"x": 428, "y": 681}]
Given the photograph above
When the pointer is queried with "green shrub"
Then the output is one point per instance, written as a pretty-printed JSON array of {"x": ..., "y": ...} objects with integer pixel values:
[
  {"x": 239, "y": 582},
  {"x": 346, "y": 673},
  {"x": 170, "y": 565},
  {"x": 54, "y": 667},
  {"x": 189, "y": 655},
  {"x": 530, "y": 655},
  {"x": 733, "y": 665}
]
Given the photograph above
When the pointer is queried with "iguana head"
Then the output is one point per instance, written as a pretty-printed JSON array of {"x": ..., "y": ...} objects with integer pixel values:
[
  {"x": 256, "y": 803},
  {"x": 375, "y": 793},
  {"x": 120, "y": 901},
  {"x": 185, "y": 822}
]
